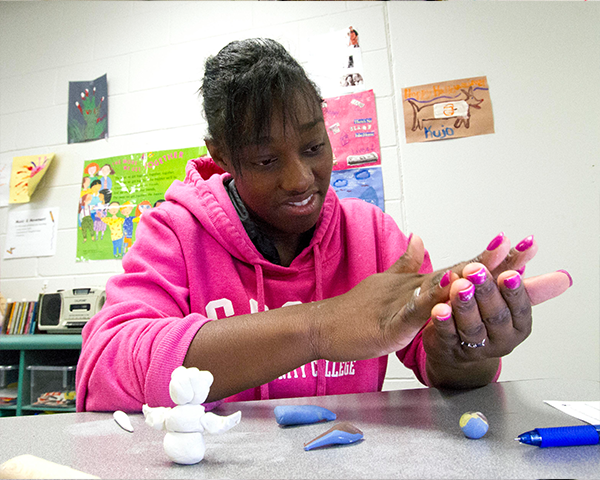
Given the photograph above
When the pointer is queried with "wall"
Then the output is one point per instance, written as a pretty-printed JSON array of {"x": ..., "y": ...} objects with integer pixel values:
[{"x": 537, "y": 174}]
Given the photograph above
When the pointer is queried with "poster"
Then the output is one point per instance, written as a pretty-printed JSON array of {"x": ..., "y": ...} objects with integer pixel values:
[
  {"x": 26, "y": 175},
  {"x": 351, "y": 122},
  {"x": 335, "y": 62},
  {"x": 116, "y": 191},
  {"x": 454, "y": 109},
  {"x": 363, "y": 183},
  {"x": 88, "y": 110},
  {"x": 31, "y": 233}
]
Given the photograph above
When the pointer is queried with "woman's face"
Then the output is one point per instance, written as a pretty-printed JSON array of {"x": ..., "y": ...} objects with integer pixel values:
[{"x": 285, "y": 178}]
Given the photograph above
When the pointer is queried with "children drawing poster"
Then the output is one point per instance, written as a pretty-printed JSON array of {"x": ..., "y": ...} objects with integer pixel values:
[
  {"x": 26, "y": 175},
  {"x": 31, "y": 233},
  {"x": 454, "y": 109},
  {"x": 116, "y": 191},
  {"x": 363, "y": 183},
  {"x": 351, "y": 122},
  {"x": 88, "y": 110}
]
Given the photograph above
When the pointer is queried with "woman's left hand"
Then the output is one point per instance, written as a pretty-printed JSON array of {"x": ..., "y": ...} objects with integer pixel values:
[{"x": 485, "y": 319}]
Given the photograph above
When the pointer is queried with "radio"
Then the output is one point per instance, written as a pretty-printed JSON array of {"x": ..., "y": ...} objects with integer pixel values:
[{"x": 67, "y": 311}]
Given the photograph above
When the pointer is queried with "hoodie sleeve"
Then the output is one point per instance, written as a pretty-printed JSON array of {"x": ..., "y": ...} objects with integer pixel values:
[{"x": 144, "y": 330}]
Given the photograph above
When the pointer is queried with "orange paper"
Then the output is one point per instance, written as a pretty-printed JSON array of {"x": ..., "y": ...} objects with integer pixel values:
[{"x": 454, "y": 109}]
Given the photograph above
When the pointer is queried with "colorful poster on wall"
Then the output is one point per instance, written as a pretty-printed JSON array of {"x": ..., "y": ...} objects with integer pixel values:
[
  {"x": 26, "y": 175},
  {"x": 454, "y": 109},
  {"x": 31, "y": 233},
  {"x": 351, "y": 122},
  {"x": 116, "y": 191},
  {"x": 88, "y": 110},
  {"x": 363, "y": 183},
  {"x": 335, "y": 62}
]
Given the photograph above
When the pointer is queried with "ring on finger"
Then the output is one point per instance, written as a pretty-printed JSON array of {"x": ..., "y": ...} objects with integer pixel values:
[{"x": 473, "y": 345}]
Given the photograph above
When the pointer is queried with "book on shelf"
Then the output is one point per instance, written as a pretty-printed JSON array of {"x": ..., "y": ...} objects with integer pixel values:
[{"x": 20, "y": 318}]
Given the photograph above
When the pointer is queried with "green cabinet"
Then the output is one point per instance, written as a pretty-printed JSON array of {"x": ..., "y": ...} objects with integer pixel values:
[{"x": 36, "y": 350}]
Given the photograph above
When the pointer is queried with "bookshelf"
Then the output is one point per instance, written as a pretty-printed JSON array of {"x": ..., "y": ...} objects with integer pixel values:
[{"x": 38, "y": 349}]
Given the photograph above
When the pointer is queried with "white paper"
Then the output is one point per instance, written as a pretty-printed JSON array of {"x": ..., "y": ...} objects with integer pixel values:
[
  {"x": 585, "y": 411},
  {"x": 334, "y": 64},
  {"x": 459, "y": 108},
  {"x": 31, "y": 233}
]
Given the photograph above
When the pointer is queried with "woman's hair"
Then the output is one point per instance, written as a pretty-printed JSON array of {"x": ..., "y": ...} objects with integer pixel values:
[{"x": 242, "y": 86}]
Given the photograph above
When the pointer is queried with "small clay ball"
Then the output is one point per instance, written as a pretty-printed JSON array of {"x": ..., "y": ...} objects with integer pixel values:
[{"x": 474, "y": 424}]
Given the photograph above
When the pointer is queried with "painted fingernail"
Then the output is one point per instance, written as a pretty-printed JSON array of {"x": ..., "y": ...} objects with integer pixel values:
[
  {"x": 495, "y": 243},
  {"x": 521, "y": 270},
  {"x": 524, "y": 244},
  {"x": 477, "y": 277},
  {"x": 568, "y": 275},
  {"x": 512, "y": 282},
  {"x": 467, "y": 294},
  {"x": 409, "y": 239},
  {"x": 443, "y": 318},
  {"x": 445, "y": 280}
]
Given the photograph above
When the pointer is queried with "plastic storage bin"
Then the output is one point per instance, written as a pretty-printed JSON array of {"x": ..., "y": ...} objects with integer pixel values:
[
  {"x": 52, "y": 387},
  {"x": 8, "y": 374}
]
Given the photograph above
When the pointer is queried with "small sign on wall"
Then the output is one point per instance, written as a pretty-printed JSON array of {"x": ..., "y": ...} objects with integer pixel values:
[
  {"x": 452, "y": 109},
  {"x": 31, "y": 233}
]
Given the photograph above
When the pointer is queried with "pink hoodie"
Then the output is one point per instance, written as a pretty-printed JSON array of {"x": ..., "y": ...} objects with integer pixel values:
[{"x": 192, "y": 262}]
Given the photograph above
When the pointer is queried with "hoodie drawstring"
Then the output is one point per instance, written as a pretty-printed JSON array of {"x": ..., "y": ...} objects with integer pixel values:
[
  {"x": 260, "y": 287},
  {"x": 321, "y": 380}
]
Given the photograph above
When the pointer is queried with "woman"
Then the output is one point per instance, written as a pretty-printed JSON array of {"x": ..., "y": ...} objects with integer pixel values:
[{"x": 257, "y": 228}]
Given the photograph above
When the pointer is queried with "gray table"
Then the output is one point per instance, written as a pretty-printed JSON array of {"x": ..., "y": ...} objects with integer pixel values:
[{"x": 407, "y": 434}]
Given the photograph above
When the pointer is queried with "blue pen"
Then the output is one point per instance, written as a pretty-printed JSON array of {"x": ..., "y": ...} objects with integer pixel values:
[{"x": 562, "y": 436}]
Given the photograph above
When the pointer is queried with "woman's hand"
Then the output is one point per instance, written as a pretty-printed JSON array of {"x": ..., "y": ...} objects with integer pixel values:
[
  {"x": 485, "y": 319},
  {"x": 382, "y": 314}
]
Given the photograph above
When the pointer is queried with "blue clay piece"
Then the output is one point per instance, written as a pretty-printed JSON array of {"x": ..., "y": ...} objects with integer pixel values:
[
  {"x": 340, "y": 434},
  {"x": 474, "y": 424},
  {"x": 302, "y": 414}
]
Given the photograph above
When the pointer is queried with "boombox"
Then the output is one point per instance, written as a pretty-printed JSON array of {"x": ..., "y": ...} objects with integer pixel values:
[{"x": 67, "y": 311}]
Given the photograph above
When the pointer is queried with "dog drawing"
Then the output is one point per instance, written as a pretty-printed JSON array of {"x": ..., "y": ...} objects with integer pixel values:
[{"x": 423, "y": 113}]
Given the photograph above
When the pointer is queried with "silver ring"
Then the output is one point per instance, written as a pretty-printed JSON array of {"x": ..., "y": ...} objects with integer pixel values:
[
  {"x": 473, "y": 345},
  {"x": 416, "y": 292}
]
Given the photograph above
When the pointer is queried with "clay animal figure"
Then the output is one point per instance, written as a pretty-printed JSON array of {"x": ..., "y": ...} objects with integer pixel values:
[
  {"x": 186, "y": 423},
  {"x": 423, "y": 113}
]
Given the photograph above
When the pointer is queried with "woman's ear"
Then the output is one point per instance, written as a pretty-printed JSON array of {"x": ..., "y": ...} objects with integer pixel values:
[{"x": 217, "y": 156}]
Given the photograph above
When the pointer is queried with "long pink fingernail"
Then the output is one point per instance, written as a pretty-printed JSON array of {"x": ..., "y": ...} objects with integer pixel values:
[
  {"x": 521, "y": 270},
  {"x": 568, "y": 275},
  {"x": 495, "y": 243},
  {"x": 443, "y": 318},
  {"x": 524, "y": 244},
  {"x": 512, "y": 282},
  {"x": 467, "y": 294},
  {"x": 445, "y": 280},
  {"x": 477, "y": 277}
]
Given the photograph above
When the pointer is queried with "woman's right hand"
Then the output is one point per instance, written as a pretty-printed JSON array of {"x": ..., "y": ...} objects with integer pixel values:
[{"x": 383, "y": 313}]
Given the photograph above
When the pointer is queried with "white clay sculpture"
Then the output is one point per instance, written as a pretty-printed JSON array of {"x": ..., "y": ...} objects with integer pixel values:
[{"x": 185, "y": 423}]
